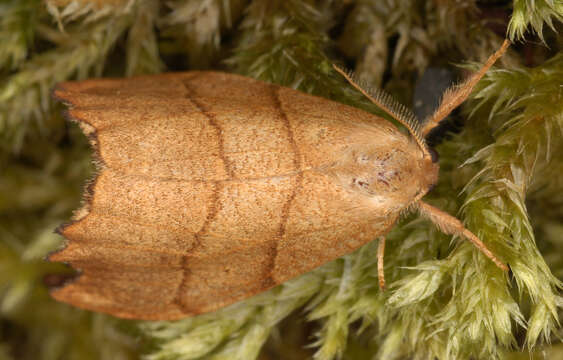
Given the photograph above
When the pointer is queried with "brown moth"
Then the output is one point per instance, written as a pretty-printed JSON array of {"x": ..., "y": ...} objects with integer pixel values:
[{"x": 213, "y": 187}]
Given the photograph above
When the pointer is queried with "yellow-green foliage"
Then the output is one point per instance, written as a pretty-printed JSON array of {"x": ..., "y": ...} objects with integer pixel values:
[{"x": 501, "y": 175}]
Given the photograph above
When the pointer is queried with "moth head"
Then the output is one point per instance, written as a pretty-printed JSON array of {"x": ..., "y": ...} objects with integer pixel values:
[{"x": 429, "y": 170}]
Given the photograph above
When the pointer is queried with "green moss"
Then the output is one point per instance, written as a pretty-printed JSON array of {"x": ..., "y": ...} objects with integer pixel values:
[
  {"x": 500, "y": 175},
  {"x": 534, "y": 14}
]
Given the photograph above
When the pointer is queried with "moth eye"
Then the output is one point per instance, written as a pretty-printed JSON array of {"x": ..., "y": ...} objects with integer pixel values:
[{"x": 434, "y": 155}]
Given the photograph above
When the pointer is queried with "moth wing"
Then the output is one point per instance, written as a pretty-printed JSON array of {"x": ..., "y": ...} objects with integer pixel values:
[
  {"x": 146, "y": 126},
  {"x": 153, "y": 249},
  {"x": 157, "y": 285},
  {"x": 209, "y": 191},
  {"x": 146, "y": 254},
  {"x": 223, "y": 125}
]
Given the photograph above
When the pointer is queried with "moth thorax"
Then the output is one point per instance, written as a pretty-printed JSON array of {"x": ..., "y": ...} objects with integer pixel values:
[{"x": 389, "y": 175}]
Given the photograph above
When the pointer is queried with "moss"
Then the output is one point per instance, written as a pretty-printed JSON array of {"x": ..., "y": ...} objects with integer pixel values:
[{"x": 500, "y": 175}]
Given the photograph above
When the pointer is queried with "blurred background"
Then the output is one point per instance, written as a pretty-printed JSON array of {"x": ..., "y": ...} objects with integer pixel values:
[{"x": 510, "y": 191}]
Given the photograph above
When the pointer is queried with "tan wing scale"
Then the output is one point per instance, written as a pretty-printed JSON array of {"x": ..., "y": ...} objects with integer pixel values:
[{"x": 207, "y": 191}]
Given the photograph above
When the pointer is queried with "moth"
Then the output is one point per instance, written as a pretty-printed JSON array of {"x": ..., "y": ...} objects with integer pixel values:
[{"x": 213, "y": 187}]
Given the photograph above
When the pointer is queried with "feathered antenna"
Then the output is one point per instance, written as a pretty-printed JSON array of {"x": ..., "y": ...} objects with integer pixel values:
[
  {"x": 391, "y": 106},
  {"x": 457, "y": 94}
]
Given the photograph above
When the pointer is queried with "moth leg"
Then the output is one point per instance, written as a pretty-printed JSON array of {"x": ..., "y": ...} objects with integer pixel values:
[
  {"x": 380, "y": 273},
  {"x": 452, "y": 226},
  {"x": 454, "y": 96}
]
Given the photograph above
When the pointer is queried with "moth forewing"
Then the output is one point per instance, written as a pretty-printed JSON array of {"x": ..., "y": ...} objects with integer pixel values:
[{"x": 200, "y": 202}]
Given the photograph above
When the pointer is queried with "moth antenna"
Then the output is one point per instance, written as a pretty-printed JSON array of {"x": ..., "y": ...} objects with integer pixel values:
[
  {"x": 452, "y": 226},
  {"x": 457, "y": 94},
  {"x": 391, "y": 106}
]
